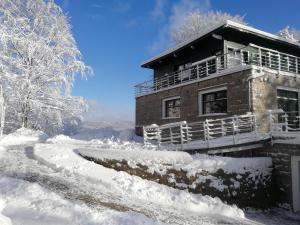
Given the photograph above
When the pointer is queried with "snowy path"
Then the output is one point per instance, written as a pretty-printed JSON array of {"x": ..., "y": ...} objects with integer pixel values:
[{"x": 19, "y": 162}]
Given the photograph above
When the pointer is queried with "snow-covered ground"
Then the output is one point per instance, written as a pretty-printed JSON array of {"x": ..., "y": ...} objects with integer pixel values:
[{"x": 45, "y": 181}]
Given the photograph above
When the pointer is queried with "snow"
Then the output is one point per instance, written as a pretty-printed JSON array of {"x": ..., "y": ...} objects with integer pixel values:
[
  {"x": 56, "y": 160},
  {"x": 228, "y": 164},
  {"x": 25, "y": 203},
  {"x": 160, "y": 161},
  {"x": 222, "y": 141},
  {"x": 64, "y": 157},
  {"x": 23, "y": 136}
]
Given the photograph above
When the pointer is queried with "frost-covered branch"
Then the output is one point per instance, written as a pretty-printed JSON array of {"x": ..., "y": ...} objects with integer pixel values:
[
  {"x": 197, "y": 22},
  {"x": 39, "y": 60}
]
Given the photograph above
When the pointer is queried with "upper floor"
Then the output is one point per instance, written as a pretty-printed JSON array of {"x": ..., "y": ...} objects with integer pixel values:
[{"x": 224, "y": 49}]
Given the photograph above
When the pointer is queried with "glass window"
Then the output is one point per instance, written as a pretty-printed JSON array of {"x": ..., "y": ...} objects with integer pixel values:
[
  {"x": 214, "y": 102},
  {"x": 172, "y": 108},
  {"x": 288, "y": 102}
]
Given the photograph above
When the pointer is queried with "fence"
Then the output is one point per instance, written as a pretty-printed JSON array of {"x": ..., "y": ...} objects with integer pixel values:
[
  {"x": 262, "y": 57},
  {"x": 183, "y": 132},
  {"x": 280, "y": 121}
]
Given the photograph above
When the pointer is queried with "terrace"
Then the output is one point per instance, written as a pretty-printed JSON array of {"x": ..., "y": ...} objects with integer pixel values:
[{"x": 218, "y": 65}]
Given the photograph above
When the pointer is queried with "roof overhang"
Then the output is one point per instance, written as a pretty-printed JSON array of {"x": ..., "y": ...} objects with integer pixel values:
[{"x": 227, "y": 23}]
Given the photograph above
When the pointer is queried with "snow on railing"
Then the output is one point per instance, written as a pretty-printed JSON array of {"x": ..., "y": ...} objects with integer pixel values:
[
  {"x": 183, "y": 132},
  {"x": 283, "y": 122},
  {"x": 263, "y": 57},
  {"x": 197, "y": 70},
  {"x": 275, "y": 60}
]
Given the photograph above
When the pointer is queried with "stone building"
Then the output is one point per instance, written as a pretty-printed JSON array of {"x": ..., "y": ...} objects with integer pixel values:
[{"x": 231, "y": 69}]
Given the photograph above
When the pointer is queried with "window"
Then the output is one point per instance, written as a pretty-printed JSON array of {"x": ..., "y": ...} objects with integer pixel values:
[
  {"x": 237, "y": 56},
  {"x": 213, "y": 102},
  {"x": 171, "y": 107},
  {"x": 288, "y": 102}
]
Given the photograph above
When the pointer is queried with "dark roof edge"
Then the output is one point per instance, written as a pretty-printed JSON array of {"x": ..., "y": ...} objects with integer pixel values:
[{"x": 227, "y": 23}]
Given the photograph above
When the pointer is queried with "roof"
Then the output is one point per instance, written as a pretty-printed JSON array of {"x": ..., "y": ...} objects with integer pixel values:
[{"x": 227, "y": 23}]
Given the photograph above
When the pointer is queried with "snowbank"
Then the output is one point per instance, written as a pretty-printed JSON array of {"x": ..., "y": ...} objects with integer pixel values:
[
  {"x": 228, "y": 164},
  {"x": 30, "y": 204},
  {"x": 23, "y": 136},
  {"x": 144, "y": 157},
  {"x": 160, "y": 161},
  {"x": 3, "y": 219},
  {"x": 63, "y": 157}
]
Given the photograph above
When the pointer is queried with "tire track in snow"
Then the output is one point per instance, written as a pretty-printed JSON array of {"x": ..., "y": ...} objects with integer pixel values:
[{"x": 19, "y": 162}]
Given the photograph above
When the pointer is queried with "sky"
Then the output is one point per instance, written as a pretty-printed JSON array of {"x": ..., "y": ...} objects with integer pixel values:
[{"x": 116, "y": 36}]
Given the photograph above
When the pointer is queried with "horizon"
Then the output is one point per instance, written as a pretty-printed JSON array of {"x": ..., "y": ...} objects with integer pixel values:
[{"x": 115, "y": 53}]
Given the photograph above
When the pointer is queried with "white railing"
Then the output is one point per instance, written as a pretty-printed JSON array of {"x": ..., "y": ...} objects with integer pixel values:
[
  {"x": 183, "y": 132},
  {"x": 197, "y": 70},
  {"x": 275, "y": 60},
  {"x": 284, "y": 122},
  {"x": 262, "y": 57}
]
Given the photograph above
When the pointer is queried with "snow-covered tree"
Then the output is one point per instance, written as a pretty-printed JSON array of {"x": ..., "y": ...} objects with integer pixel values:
[
  {"x": 197, "y": 22},
  {"x": 39, "y": 60},
  {"x": 289, "y": 34}
]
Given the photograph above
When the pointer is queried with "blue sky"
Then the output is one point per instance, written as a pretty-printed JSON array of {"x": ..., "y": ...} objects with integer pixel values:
[{"x": 115, "y": 36}]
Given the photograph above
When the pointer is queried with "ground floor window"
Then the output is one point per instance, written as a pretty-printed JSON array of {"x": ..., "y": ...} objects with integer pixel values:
[
  {"x": 213, "y": 102},
  {"x": 171, "y": 107}
]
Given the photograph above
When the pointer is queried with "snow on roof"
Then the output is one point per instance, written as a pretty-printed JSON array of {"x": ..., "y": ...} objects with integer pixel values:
[{"x": 227, "y": 23}]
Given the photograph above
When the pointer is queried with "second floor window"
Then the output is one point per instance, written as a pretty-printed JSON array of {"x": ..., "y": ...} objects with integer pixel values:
[
  {"x": 171, "y": 108},
  {"x": 214, "y": 102}
]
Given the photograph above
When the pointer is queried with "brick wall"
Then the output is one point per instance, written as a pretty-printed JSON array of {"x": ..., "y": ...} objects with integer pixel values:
[{"x": 149, "y": 107}]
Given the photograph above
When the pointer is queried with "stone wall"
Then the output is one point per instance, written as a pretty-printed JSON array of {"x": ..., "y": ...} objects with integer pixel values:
[
  {"x": 264, "y": 94},
  {"x": 281, "y": 155},
  {"x": 149, "y": 107}
]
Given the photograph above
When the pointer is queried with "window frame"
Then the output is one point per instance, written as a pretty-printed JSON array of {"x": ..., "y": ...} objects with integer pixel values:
[
  {"x": 164, "y": 101},
  {"x": 242, "y": 51},
  {"x": 288, "y": 89},
  {"x": 200, "y": 101}
]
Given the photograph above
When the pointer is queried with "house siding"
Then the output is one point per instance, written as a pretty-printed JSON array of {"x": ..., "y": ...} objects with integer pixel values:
[{"x": 149, "y": 107}]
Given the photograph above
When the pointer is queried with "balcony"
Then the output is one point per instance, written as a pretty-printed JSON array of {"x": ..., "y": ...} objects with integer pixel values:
[{"x": 262, "y": 57}]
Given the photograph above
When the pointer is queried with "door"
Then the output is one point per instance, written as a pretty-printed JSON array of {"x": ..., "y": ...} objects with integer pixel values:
[{"x": 296, "y": 182}]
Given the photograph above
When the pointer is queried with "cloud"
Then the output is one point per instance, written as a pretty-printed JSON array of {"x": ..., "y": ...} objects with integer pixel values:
[
  {"x": 96, "y": 5},
  {"x": 179, "y": 10},
  {"x": 122, "y": 7},
  {"x": 183, "y": 8},
  {"x": 158, "y": 10},
  {"x": 131, "y": 23}
]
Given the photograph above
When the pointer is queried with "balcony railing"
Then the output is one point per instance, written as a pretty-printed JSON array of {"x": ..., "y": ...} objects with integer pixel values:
[
  {"x": 262, "y": 57},
  {"x": 206, "y": 131}
]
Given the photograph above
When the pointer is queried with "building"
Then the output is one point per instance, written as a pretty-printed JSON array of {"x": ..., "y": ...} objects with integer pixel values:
[{"x": 232, "y": 69}]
